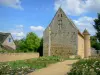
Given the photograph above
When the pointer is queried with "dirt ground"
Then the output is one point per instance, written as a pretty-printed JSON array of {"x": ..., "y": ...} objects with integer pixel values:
[
  {"x": 17, "y": 56},
  {"x": 60, "y": 68}
]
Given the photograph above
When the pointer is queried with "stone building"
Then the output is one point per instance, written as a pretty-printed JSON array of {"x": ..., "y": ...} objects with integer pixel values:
[
  {"x": 63, "y": 38},
  {"x": 6, "y": 41}
]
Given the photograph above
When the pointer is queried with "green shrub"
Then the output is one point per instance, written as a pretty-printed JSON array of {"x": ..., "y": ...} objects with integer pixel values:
[
  {"x": 86, "y": 67},
  {"x": 7, "y": 51}
]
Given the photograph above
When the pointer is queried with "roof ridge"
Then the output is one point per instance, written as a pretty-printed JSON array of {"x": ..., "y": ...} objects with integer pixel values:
[{"x": 72, "y": 23}]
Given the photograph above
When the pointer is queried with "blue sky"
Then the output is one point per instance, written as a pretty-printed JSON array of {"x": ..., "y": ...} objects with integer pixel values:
[{"x": 22, "y": 16}]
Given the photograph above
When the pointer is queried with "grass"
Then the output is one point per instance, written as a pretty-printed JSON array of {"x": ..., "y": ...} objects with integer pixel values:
[
  {"x": 35, "y": 62},
  {"x": 14, "y": 51},
  {"x": 9, "y": 51},
  {"x": 29, "y": 65}
]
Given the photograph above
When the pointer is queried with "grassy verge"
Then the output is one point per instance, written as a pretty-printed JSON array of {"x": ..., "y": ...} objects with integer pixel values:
[
  {"x": 86, "y": 67},
  {"x": 10, "y": 51},
  {"x": 26, "y": 66},
  {"x": 13, "y": 51}
]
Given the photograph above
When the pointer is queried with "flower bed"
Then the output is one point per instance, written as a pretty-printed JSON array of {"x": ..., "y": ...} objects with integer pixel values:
[
  {"x": 26, "y": 66},
  {"x": 86, "y": 67}
]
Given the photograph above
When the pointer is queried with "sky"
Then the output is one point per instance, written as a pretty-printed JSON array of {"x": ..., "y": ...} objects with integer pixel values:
[{"x": 20, "y": 17}]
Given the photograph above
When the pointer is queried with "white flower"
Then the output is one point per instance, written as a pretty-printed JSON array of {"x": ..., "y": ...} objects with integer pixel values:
[
  {"x": 86, "y": 64},
  {"x": 87, "y": 67},
  {"x": 97, "y": 68}
]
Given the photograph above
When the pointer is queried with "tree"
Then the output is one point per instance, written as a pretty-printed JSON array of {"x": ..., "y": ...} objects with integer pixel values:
[
  {"x": 40, "y": 49},
  {"x": 32, "y": 42},
  {"x": 94, "y": 43},
  {"x": 17, "y": 44},
  {"x": 95, "y": 40},
  {"x": 97, "y": 26},
  {"x": 22, "y": 45}
]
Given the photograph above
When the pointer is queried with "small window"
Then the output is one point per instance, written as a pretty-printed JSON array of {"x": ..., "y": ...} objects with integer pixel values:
[
  {"x": 58, "y": 15},
  {"x": 9, "y": 39},
  {"x": 61, "y": 15},
  {"x": 58, "y": 20}
]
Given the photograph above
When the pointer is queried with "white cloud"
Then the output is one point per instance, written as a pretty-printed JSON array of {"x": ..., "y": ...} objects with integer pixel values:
[
  {"x": 85, "y": 22},
  {"x": 70, "y": 6},
  {"x": 12, "y": 3},
  {"x": 18, "y": 32},
  {"x": 77, "y": 7},
  {"x": 92, "y": 5},
  {"x": 38, "y": 30}
]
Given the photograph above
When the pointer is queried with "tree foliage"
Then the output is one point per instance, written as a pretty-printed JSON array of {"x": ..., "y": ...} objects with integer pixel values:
[
  {"x": 28, "y": 44},
  {"x": 32, "y": 41},
  {"x": 94, "y": 43},
  {"x": 97, "y": 26},
  {"x": 95, "y": 40},
  {"x": 40, "y": 49},
  {"x": 22, "y": 45}
]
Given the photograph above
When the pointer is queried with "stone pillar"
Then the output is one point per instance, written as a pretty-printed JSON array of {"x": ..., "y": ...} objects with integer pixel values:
[
  {"x": 49, "y": 51},
  {"x": 87, "y": 46}
]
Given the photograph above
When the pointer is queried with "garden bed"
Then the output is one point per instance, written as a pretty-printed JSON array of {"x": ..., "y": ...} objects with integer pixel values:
[
  {"x": 20, "y": 67},
  {"x": 86, "y": 67}
]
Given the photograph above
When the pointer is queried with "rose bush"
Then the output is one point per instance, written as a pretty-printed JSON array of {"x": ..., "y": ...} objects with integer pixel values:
[{"x": 86, "y": 67}]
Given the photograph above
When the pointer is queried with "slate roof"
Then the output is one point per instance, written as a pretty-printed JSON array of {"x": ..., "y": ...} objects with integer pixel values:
[
  {"x": 86, "y": 32},
  {"x": 3, "y": 36}
]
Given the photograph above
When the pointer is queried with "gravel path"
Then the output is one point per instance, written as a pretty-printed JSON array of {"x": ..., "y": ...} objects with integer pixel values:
[{"x": 60, "y": 68}]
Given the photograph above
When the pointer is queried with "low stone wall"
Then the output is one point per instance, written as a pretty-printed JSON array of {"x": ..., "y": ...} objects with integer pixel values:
[
  {"x": 17, "y": 56},
  {"x": 94, "y": 52}
]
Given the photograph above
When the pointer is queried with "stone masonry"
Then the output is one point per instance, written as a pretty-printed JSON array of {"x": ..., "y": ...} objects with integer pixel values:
[{"x": 63, "y": 37}]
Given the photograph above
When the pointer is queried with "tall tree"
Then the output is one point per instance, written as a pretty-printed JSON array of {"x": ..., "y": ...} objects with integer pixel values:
[
  {"x": 40, "y": 49},
  {"x": 32, "y": 41},
  {"x": 93, "y": 41},
  {"x": 17, "y": 43},
  {"x": 22, "y": 45},
  {"x": 97, "y": 26}
]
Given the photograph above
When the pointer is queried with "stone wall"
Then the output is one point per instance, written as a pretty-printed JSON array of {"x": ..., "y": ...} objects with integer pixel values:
[
  {"x": 80, "y": 46},
  {"x": 45, "y": 42},
  {"x": 17, "y": 56},
  {"x": 64, "y": 36},
  {"x": 61, "y": 50},
  {"x": 94, "y": 52}
]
